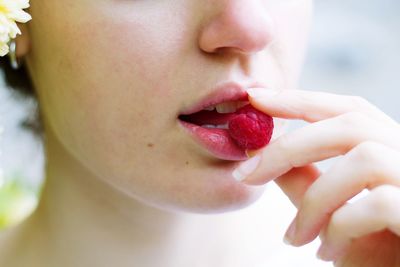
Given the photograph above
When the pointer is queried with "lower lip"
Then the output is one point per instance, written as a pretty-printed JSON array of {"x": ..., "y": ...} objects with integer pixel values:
[{"x": 216, "y": 141}]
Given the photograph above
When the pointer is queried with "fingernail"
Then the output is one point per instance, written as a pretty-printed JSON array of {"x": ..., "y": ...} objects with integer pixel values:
[
  {"x": 252, "y": 153},
  {"x": 290, "y": 233},
  {"x": 327, "y": 252},
  {"x": 261, "y": 92},
  {"x": 246, "y": 168},
  {"x": 323, "y": 253}
]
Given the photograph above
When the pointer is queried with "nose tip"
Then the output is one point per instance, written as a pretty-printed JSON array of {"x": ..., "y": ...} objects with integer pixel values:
[
  {"x": 250, "y": 38},
  {"x": 244, "y": 29}
]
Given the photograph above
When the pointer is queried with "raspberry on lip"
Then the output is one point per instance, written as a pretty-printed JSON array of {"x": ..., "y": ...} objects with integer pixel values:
[{"x": 251, "y": 129}]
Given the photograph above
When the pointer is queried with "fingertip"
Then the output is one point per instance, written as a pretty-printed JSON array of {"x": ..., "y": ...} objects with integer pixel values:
[
  {"x": 243, "y": 171},
  {"x": 329, "y": 253},
  {"x": 261, "y": 92},
  {"x": 252, "y": 152},
  {"x": 263, "y": 99}
]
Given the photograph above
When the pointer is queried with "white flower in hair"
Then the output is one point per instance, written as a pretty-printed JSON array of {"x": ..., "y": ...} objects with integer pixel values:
[{"x": 11, "y": 12}]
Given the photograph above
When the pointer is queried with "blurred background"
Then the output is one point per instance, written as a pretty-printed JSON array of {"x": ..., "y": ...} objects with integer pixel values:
[{"x": 353, "y": 50}]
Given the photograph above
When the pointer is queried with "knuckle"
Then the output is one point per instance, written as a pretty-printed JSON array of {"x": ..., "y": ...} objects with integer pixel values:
[
  {"x": 338, "y": 221},
  {"x": 373, "y": 161},
  {"x": 284, "y": 142},
  {"x": 359, "y": 102},
  {"x": 285, "y": 147},
  {"x": 352, "y": 118},
  {"x": 289, "y": 150},
  {"x": 311, "y": 199},
  {"x": 385, "y": 199},
  {"x": 366, "y": 152}
]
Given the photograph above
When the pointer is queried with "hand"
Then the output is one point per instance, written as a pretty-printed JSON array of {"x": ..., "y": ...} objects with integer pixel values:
[{"x": 364, "y": 233}]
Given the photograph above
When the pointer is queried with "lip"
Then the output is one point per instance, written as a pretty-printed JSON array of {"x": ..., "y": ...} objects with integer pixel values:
[
  {"x": 218, "y": 141},
  {"x": 230, "y": 91}
]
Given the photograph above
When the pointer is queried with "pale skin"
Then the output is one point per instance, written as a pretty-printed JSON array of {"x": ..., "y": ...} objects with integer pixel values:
[
  {"x": 124, "y": 182},
  {"x": 365, "y": 232}
]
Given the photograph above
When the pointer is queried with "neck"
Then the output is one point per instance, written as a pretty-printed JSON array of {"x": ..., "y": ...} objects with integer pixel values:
[{"x": 90, "y": 223}]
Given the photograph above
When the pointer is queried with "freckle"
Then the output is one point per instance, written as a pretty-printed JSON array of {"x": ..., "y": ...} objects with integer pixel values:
[
  {"x": 150, "y": 145},
  {"x": 187, "y": 162}
]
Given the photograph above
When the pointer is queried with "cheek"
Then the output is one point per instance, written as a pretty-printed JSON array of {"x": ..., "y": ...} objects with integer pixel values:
[
  {"x": 139, "y": 60},
  {"x": 117, "y": 94},
  {"x": 292, "y": 28}
]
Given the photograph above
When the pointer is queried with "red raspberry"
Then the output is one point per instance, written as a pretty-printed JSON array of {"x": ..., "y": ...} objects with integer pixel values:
[{"x": 251, "y": 129}]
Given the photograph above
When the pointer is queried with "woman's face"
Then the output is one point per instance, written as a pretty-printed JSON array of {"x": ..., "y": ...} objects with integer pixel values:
[{"x": 113, "y": 76}]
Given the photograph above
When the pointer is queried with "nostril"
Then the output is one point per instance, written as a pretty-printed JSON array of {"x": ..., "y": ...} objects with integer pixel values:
[{"x": 238, "y": 28}]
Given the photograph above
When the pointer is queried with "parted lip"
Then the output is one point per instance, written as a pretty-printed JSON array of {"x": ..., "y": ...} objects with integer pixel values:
[{"x": 229, "y": 91}]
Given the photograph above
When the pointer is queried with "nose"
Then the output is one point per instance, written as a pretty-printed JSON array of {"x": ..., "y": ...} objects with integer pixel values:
[{"x": 243, "y": 26}]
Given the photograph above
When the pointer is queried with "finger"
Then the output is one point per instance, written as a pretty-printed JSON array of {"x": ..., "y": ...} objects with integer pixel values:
[
  {"x": 367, "y": 166},
  {"x": 319, "y": 141},
  {"x": 377, "y": 211},
  {"x": 296, "y": 182},
  {"x": 311, "y": 106}
]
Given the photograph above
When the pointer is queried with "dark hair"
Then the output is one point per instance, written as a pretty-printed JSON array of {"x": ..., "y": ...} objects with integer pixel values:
[{"x": 20, "y": 84}]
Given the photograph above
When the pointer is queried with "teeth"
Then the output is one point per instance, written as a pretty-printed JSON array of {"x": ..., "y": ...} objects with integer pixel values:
[
  {"x": 209, "y": 126},
  {"x": 220, "y": 126},
  {"x": 223, "y": 126},
  {"x": 210, "y": 108},
  {"x": 240, "y": 104},
  {"x": 227, "y": 107}
]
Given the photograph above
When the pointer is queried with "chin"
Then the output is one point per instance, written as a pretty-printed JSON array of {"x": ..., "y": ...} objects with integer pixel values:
[{"x": 231, "y": 197}]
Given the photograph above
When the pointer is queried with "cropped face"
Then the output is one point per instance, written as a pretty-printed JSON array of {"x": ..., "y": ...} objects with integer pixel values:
[{"x": 114, "y": 76}]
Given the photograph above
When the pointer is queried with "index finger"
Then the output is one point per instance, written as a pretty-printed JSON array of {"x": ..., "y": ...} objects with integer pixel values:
[{"x": 311, "y": 106}]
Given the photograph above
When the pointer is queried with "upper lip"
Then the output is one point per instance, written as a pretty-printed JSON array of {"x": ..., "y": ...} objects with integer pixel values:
[{"x": 229, "y": 91}]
